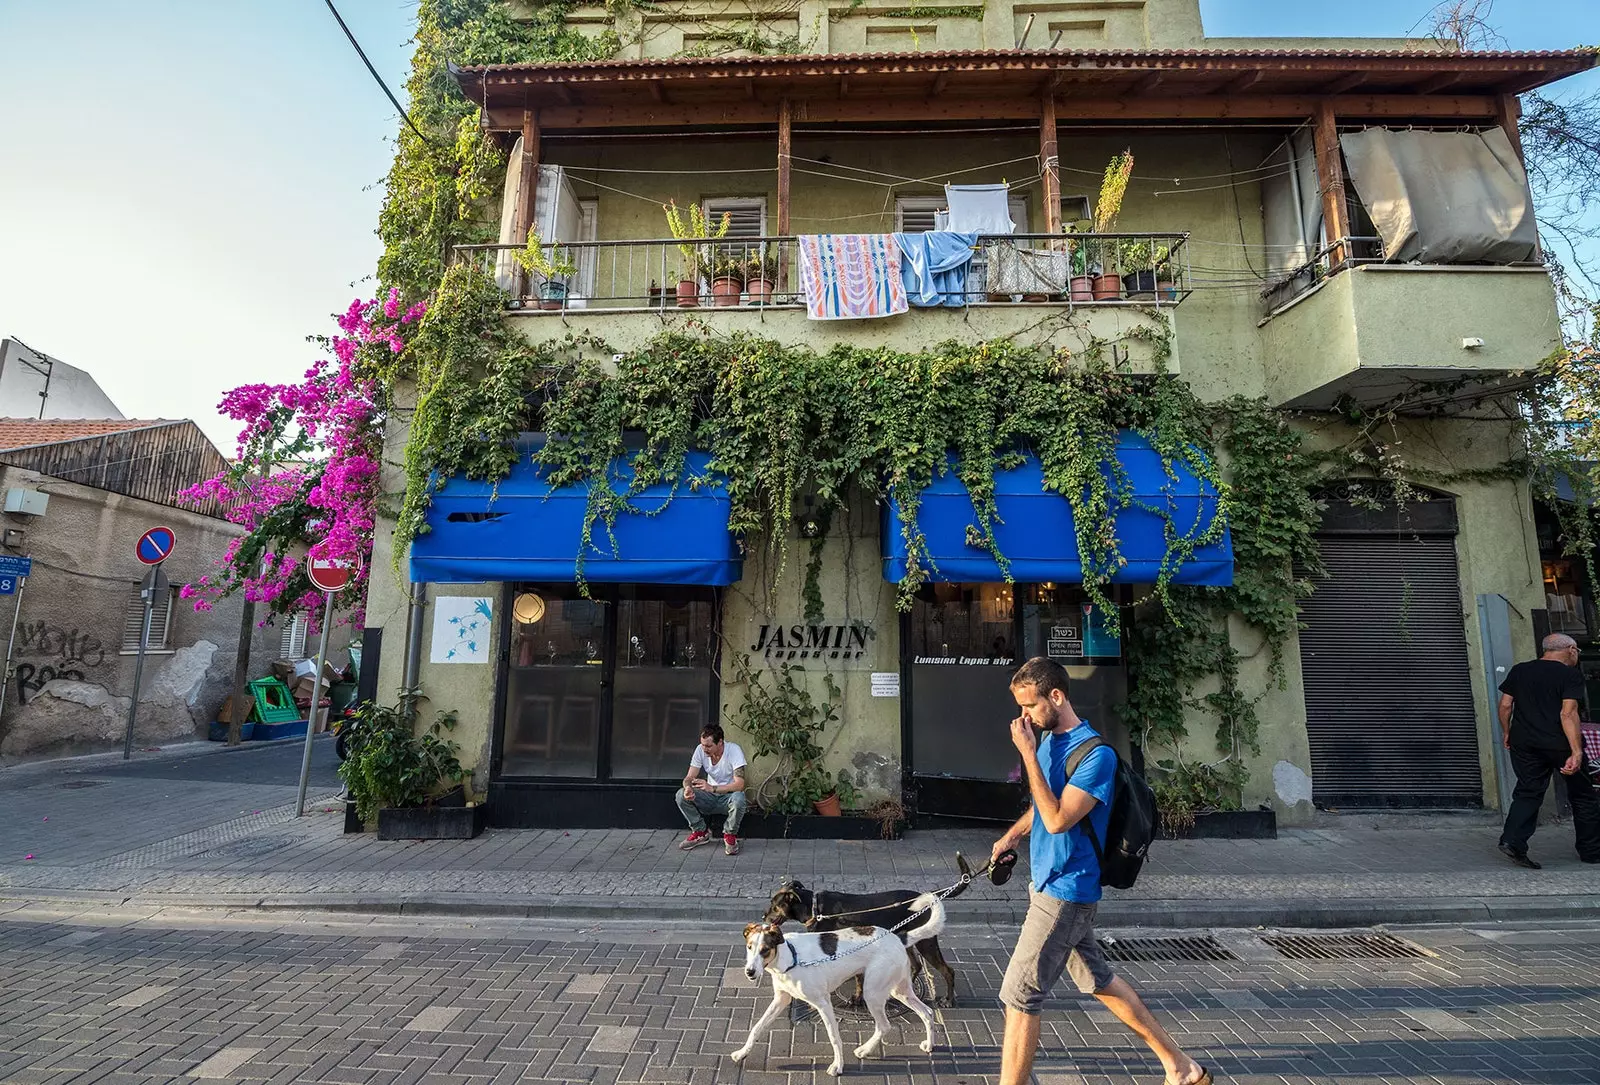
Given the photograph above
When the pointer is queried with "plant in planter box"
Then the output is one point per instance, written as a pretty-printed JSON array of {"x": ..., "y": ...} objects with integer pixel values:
[
  {"x": 390, "y": 766},
  {"x": 555, "y": 270},
  {"x": 690, "y": 227}
]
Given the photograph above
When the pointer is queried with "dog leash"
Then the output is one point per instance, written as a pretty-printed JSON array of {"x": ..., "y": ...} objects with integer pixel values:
[{"x": 1004, "y": 862}]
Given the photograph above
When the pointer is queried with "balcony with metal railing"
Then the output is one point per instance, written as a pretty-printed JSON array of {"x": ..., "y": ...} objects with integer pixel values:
[{"x": 1108, "y": 293}]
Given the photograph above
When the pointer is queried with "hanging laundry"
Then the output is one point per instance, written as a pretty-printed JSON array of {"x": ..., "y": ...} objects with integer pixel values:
[
  {"x": 934, "y": 267},
  {"x": 980, "y": 209},
  {"x": 851, "y": 276}
]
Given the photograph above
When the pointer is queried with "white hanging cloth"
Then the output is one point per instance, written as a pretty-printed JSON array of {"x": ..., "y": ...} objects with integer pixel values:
[{"x": 979, "y": 209}]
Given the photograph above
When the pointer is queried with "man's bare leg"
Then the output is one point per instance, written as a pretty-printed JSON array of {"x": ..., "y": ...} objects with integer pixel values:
[
  {"x": 1130, "y": 1009},
  {"x": 1018, "y": 1048}
]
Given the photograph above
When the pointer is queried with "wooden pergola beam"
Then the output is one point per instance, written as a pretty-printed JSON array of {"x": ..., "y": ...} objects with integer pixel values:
[
  {"x": 879, "y": 108},
  {"x": 527, "y": 191},
  {"x": 1345, "y": 83},
  {"x": 1050, "y": 164}
]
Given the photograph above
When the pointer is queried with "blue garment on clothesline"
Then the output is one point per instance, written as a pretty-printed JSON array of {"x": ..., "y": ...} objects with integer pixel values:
[{"x": 933, "y": 266}]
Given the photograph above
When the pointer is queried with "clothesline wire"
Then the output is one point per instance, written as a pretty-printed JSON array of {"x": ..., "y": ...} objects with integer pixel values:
[
  {"x": 670, "y": 173},
  {"x": 916, "y": 180}
]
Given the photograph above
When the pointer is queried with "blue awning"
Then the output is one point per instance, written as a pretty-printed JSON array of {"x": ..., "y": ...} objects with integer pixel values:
[
  {"x": 1034, "y": 526},
  {"x": 524, "y": 530}
]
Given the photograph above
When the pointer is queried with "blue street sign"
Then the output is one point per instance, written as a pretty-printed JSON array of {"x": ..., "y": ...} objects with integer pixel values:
[
  {"x": 8, "y": 585},
  {"x": 155, "y": 545},
  {"x": 15, "y": 567}
]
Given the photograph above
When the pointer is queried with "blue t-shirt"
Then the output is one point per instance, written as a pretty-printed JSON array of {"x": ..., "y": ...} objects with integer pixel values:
[{"x": 1064, "y": 864}]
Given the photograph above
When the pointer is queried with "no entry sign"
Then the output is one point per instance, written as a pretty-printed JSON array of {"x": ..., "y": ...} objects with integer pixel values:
[
  {"x": 155, "y": 545},
  {"x": 332, "y": 574}
]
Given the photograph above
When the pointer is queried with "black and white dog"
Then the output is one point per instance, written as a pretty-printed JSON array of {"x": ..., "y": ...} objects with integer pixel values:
[
  {"x": 829, "y": 910},
  {"x": 809, "y": 966}
]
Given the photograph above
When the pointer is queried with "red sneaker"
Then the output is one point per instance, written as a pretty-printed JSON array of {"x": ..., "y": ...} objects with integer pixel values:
[
  {"x": 730, "y": 844},
  {"x": 695, "y": 839}
]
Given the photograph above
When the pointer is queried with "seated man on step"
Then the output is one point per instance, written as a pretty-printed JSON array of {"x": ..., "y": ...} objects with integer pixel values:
[{"x": 721, "y": 792}]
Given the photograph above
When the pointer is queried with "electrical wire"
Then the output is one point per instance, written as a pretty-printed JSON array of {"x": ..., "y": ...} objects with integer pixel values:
[{"x": 362, "y": 53}]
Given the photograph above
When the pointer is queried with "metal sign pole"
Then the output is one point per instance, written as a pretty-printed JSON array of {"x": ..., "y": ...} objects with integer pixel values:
[
  {"x": 316, "y": 702},
  {"x": 148, "y": 590},
  {"x": 22, "y": 585}
]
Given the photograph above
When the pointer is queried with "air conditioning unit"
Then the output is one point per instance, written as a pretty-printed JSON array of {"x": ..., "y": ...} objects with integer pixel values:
[{"x": 26, "y": 502}]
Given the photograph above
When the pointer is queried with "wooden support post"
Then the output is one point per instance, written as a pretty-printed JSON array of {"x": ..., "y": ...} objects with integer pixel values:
[
  {"x": 1507, "y": 112},
  {"x": 522, "y": 217},
  {"x": 1330, "y": 180},
  {"x": 785, "y": 150},
  {"x": 1050, "y": 165}
]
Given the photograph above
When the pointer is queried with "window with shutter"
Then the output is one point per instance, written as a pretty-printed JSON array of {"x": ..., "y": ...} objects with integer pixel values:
[
  {"x": 1074, "y": 209},
  {"x": 915, "y": 214},
  {"x": 293, "y": 644},
  {"x": 747, "y": 216},
  {"x": 133, "y": 623}
]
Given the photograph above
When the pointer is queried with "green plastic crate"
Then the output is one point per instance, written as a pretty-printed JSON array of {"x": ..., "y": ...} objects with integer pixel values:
[{"x": 273, "y": 702}]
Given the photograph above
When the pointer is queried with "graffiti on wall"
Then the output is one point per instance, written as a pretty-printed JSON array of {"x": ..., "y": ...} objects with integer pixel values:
[{"x": 62, "y": 655}]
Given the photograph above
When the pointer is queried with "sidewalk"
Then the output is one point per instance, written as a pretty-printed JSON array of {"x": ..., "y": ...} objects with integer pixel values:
[{"x": 198, "y": 828}]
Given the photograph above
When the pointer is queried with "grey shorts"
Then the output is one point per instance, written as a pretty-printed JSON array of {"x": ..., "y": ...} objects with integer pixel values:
[{"x": 1057, "y": 936}]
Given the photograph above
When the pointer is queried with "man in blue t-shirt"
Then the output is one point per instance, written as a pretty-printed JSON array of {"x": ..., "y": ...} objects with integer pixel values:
[{"x": 1058, "y": 933}]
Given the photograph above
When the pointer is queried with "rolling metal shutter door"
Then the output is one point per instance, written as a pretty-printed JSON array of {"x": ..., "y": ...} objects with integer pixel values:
[{"x": 1389, "y": 705}]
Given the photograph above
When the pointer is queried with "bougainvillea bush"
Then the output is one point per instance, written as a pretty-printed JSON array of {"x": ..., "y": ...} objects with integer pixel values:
[{"x": 305, "y": 472}]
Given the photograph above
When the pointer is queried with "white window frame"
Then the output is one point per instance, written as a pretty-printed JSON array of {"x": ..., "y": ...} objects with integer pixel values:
[
  {"x": 160, "y": 624},
  {"x": 714, "y": 208},
  {"x": 292, "y": 642},
  {"x": 1079, "y": 202}
]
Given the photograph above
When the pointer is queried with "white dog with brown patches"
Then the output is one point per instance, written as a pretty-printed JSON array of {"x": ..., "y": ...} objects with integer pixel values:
[{"x": 810, "y": 966}]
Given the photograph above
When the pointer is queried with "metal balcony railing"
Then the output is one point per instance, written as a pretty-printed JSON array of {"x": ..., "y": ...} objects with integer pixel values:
[{"x": 1148, "y": 269}]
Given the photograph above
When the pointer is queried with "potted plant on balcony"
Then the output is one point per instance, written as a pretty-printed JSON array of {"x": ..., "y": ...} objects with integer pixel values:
[
  {"x": 725, "y": 271},
  {"x": 1139, "y": 261},
  {"x": 1080, "y": 285},
  {"x": 690, "y": 227},
  {"x": 554, "y": 270},
  {"x": 1113, "y": 187},
  {"x": 761, "y": 277},
  {"x": 1166, "y": 275}
]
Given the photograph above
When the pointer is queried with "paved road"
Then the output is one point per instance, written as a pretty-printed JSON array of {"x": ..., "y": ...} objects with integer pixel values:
[
  {"x": 170, "y": 997},
  {"x": 84, "y": 810}
]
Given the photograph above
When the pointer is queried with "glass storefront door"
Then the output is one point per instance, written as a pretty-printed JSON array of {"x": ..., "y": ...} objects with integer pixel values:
[
  {"x": 615, "y": 687},
  {"x": 963, "y": 642}
]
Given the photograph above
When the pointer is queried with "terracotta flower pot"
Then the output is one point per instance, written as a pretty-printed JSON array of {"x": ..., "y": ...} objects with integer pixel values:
[
  {"x": 1167, "y": 291},
  {"x": 1082, "y": 288},
  {"x": 829, "y": 807},
  {"x": 759, "y": 291},
  {"x": 1107, "y": 288},
  {"x": 688, "y": 294},
  {"x": 725, "y": 292}
]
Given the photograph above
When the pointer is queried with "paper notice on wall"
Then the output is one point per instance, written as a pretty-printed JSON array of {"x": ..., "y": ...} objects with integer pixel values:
[
  {"x": 461, "y": 629},
  {"x": 886, "y": 683}
]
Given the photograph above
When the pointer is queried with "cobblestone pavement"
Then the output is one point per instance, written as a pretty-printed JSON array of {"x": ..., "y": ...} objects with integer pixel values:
[
  {"x": 216, "y": 826},
  {"x": 117, "y": 997}
]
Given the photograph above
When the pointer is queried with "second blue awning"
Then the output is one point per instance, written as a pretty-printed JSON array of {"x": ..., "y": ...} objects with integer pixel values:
[
  {"x": 1035, "y": 528},
  {"x": 525, "y": 530}
]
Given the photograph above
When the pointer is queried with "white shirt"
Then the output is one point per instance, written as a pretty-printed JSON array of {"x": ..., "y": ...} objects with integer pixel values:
[{"x": 722, "y": 772}]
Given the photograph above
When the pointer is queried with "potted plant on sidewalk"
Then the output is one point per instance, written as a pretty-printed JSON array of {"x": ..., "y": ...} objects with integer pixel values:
[
  {"x": 409, "y": 783},
  {"x": 689, "y": 226}
]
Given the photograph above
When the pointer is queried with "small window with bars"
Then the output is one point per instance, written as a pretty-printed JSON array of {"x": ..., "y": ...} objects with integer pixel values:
[
  {"x": 133, "y": 622},
  {"x": 747, "y": 216},
  {"x": 293, "y": 643}
]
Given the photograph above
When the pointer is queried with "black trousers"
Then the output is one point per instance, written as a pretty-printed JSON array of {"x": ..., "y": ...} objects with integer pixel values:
[{"x": 1534, "y": 768}]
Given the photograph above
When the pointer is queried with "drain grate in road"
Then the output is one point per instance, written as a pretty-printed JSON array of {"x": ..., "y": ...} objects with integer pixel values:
[
  {"x": 1192, "y": 948},
  {"x": 1343, "y": 947},
  {"x": 79, "y": 785}
]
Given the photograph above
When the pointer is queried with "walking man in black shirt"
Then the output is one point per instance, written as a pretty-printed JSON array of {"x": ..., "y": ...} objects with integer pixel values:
[{"x": 1539, "y": 718}]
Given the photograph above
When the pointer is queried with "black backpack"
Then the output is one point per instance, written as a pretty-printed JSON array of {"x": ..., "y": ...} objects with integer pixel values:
[{"x": 1131, "y": 827}]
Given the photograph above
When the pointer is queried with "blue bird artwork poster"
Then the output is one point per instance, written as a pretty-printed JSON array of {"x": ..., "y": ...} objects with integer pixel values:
[{"x": 461, "y": 629}]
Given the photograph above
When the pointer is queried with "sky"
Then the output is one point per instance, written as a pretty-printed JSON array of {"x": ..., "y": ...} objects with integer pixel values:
[{"x": 189, "y": 188}]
